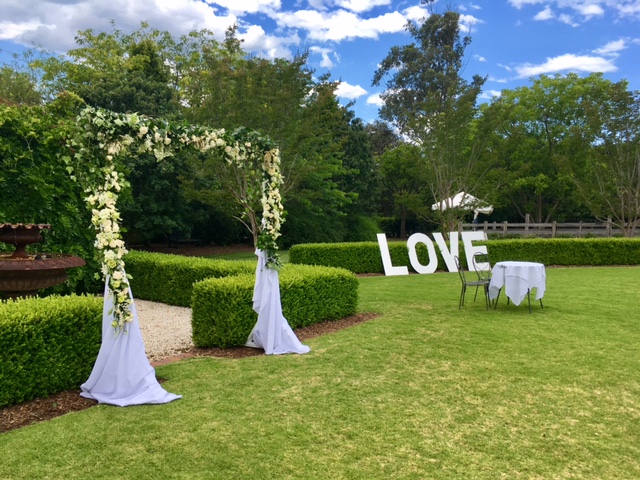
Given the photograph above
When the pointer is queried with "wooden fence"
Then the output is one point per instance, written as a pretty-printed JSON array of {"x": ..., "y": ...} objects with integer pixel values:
[{"x": 550, "y": 230}]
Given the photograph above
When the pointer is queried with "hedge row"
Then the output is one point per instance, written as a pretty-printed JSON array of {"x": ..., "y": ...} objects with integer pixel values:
[
  {"x": 47, "y": 345},
  {"x": 222, "y": 312},
  {"x": 357, "y": 257},
  {"x": 567, "y": 251},
  {"x": 169, "y": 278},
  {"x": 364, "y": 257}
]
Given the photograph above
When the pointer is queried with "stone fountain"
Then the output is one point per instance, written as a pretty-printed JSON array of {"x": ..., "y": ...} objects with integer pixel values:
[{"x": 23, "y": 274}]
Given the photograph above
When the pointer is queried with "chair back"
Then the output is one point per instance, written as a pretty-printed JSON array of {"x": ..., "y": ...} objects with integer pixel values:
[
  {"x": 482, "y": 266},
  {"x": 463, "y": 279}
]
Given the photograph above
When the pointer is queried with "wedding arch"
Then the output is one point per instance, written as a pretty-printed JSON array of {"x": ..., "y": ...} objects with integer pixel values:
[{"x": 104, "y": 139}]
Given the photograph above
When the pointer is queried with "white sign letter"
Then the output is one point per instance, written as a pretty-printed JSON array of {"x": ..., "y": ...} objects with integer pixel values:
[
  {"x": 447, "y": 255},
  {"x": 469, "y": 249},
  {"x": 389, "y": 269},
  {"x": 413, "y": 254}
]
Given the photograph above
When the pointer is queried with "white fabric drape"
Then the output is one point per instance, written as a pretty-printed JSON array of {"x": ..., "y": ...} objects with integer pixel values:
[
  {"x": 272, "y": 331},
  {"x": 122, "y": 374}
]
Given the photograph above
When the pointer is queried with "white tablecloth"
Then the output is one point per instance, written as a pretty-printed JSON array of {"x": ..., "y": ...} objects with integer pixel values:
[{"x": 517, "y": 278}]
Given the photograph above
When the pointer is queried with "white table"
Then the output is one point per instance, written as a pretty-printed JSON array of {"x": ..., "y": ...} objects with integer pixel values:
[{"x": 518, "y": 279}]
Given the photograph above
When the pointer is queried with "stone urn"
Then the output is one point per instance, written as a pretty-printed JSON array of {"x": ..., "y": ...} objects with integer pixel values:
[{"x": 23, "y": 274}]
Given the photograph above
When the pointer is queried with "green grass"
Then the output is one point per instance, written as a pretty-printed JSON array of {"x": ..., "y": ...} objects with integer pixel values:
[{"x": 423, "y": 391}]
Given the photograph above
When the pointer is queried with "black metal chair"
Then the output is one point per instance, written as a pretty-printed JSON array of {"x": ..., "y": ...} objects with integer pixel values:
[
  {"x": 482, "y": 266},
  {"x": 471, "y": 283}
]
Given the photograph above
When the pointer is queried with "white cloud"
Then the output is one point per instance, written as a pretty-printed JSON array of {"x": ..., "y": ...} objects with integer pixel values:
[
  {"x": 581, "y": 63},
  {"x": 629, "y": 8},
  {"x": 490, "y": 94},
  {"x": 361, "y": 5},
  {"x": 326, "y": 61},
  {"x": 589, "y": 10},
  {"x": 521, "y": 3},
  {"x": 568, "y": 19},
  {"x": 257, "y": 41},
  {"x": 317, "y": 4},
  {"x": 415, "y": 13},
  {"x": 340, "y": 24},
  {"x": 345, "y": 90},
  {"x": 375, "y": 100},
  {"x": 241, "y": 7},
  {"x": 11, "y": 30},
  {"x": 546, "y": 14},
  {"x": 58, "y": 22},
  {"x": 480, "y": 58},
  {"x": 468, "y": 22},
  {"x": 611, "y": 48},
  {"x": 498, "y": 80},
  {"x": 586, "y": 8}
]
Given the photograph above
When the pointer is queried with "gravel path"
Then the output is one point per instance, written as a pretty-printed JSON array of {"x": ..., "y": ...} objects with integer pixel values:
[{"x": 166, "y": 330}]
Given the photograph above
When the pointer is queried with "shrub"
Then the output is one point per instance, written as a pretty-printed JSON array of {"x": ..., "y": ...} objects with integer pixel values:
[
  {"x": 357, "y": 257},
  {"x": 568, "y": 251},
  {"x": 222, "y": 312},
  {"x": 169, "y": 278},
  {"x": 48, "y": 345},
  {"x": 364, "y": 257}
]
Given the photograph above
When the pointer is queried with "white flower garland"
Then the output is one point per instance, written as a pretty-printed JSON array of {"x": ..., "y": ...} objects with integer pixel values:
[{"x": 107, "y": 135}]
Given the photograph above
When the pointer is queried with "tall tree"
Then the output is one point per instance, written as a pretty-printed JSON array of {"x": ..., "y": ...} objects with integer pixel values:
[
  {"x": 609, "y": 180},
  {"x": 324, "y": 160},
  {"x": 382, "y": 137},
  {"x": 131, "y": 73},
  {"x": 541, "y": 139},
  {"x": 18, "y": 87},
  {"x": 402, "y": 174},
  {"x": 117, "y": 71},
  {"x": 429, "y": 102}
]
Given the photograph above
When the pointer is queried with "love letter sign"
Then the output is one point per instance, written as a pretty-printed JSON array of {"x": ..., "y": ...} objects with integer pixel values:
[{"x": 447, "y": 252}]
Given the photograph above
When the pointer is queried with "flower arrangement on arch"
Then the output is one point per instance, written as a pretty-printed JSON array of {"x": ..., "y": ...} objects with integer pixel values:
[{"x": 106, "y": 137}]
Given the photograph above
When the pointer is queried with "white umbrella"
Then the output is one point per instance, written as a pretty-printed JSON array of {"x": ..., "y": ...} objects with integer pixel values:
[{"x": 466, "y": 201}]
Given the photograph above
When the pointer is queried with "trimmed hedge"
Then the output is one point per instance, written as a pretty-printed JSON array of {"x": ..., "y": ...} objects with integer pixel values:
[
  {"x": 222, "y": 312},
  {"x": 357, "y": 257},
  {"x": 47, "y": 345},
  {"x": 364, "y": 257},
  {"x": 567, "y": 251},
  {"x": 169, "y": 279}
]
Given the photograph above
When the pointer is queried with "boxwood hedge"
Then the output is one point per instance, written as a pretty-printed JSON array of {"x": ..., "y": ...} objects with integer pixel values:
[
  {"x": 364, "y": 257},
  {"x": 222, "y": 313},
  {"x": 47, "y": 345},
  {"x": 169, "y": 279}
]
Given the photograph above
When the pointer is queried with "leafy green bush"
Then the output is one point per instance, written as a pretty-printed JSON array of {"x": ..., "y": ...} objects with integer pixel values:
[
  {"x": 357, "y": 257},
  {"x": 568, "y": 251},
  {"x": 364, "y": 257},
  {"x": 47, "y": 345},
  {"x": 222, "y": 312},
  {"x": 169, "y": 278}
]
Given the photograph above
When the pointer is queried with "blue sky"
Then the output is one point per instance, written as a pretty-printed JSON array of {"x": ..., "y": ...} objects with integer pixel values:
[{"x": 512, "y": 40}]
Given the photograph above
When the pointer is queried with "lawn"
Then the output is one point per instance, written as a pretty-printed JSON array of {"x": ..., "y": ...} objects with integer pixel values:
[{"x": 425, "y": 390}]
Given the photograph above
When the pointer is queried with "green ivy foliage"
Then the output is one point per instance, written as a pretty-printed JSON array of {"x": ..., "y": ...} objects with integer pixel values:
[
  {"x": 37, "y": 188},
  {"x": 48, "y": 345}
]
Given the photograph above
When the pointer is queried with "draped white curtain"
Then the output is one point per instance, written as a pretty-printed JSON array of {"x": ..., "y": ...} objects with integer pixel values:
[
  {"x": 122, "y": 374},
  {"x": 272, "y": 331}
]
